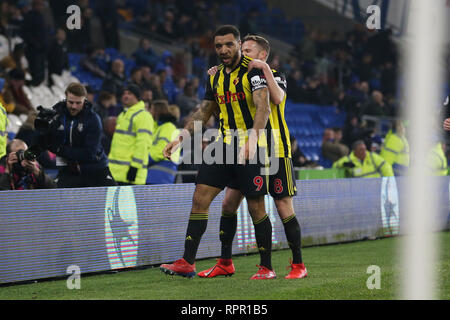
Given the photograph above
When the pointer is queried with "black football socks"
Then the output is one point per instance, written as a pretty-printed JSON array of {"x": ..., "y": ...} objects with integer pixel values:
[
  {"x": 293, "y": 237},
  {"x": 195, "y": 229},
  {"x": 228, "y": 226},
  {"x": 263, "y": 235}
]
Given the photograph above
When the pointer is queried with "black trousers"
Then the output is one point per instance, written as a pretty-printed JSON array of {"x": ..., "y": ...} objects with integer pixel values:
[{"x": 100, "y": 178}]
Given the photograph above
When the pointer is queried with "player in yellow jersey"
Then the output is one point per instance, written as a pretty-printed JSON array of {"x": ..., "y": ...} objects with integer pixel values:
[
  {"x": 241, "y": 98},
  {"x": 282, "y": 186}
]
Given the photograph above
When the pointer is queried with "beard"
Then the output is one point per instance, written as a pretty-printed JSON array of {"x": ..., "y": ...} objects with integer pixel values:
[{"x": 230, "y": 61}]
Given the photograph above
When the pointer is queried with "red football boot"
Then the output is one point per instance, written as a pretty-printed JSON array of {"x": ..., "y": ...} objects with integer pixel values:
[
  {"x": 263, "y": 273},
  {"x": 223, "y": 267},
  {"x": 298, "y": 271},
  {"x": 180, "y": 267}
]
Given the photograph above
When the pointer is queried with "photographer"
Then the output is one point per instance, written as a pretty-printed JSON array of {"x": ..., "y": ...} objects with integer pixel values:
[
  {"x": 74, "y": 134},
  {"x": 18, "y": 173}
]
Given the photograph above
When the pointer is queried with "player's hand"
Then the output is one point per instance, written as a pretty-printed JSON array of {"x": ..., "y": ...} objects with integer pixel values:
[
  {"x": 447, "y": 124},
  {"x": 170, "y": 148},
  {"x": 31, "y": 166},
  {"x": 258, "y": 64},
  {"x": 212, "y": 71},
  {"x": 248, "y": 152}
]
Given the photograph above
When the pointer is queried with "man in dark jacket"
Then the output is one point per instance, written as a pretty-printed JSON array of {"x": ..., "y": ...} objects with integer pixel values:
[
  {"x": 74, "y": 135},
  {"x": 18, "y": 173}
]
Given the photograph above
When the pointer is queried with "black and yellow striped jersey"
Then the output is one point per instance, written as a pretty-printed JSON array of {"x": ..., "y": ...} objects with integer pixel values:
[
  {"x": 233, "y": 93},
  {"x": 280, "y": 132}
]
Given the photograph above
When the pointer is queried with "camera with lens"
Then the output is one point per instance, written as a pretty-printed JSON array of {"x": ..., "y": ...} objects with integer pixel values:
[
  {"x": 30, "y": 154},
  {"x": 44, "y": 118}
]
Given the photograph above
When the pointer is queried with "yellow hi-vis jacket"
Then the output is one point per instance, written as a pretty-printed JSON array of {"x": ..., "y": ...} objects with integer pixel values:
[
  {"x": 373, "y": 166},
  {"x": 437, "y": 161},
  {"x": 395, "y": 149},
  {"x": 3, "y": 133},
  {"x": 130, "y": 143},
  {"x": 162, "y": 170}
]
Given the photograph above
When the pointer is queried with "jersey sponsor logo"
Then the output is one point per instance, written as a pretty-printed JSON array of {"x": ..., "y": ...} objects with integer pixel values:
[{"x": 230, "y": 97}]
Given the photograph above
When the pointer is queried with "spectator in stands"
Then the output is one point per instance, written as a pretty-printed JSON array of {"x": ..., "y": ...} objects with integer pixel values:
[
  {"x": 364, "y": 164},
  {"x": 352, "y": 131},
  {"x": 187, "y": 100},
  {"x": 90, "y": 94},
  {"x": 166, "y": 28},
  {"x": 75, "y": 137},
  {"x": 332, "y": 148},
  {"x": 145, "y": 22},
  {"x": 106, "y": 105},
  {"x": 35, "y": 34},
  {"x": 106, "y": 10},
  {"x": 180, "y": 84},
  {"x": 15, "y": 60},
  {"x": 58, "y": 59},
  {"x": 136, "y": 77},
  {"x": 353, "y": 100},
  {"x": 115, "y": 80},
  {"x": 91, "y": 61},
  {"x": 165, "y": 63},
  {"x": 109, "y": 126},
  {"x": 162, "y": 170},
  {"x": 295, "y": 88},
  {"x": 16, "y": 81},
  {"x": 364, "y": 70},
  {"x": 147, "y": 97},
  {"x": 376, "y": 106},
  {"x": 24, "y": 174},
  {"x": 145, "y": 55},
  {"x": 298, "y": 158},
  {"x": 388, "y": 79},
  {"x": 132, "y": 139},
  {"x": 154, "y": 81},
  {"x": 178, "y": 66}
]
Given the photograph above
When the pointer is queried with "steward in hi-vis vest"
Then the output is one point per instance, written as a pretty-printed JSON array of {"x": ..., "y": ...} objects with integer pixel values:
[{"x": 128, "y": 156}]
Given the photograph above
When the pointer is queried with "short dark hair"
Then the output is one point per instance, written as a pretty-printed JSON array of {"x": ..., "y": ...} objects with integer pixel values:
[
  {"x": 77, "y": 89},
  {"x": 162, "y": 105},
  {"x": 227, "y": 29},
  {"x": 105, "y": 96},
  {"x": 262, "y": 42}
]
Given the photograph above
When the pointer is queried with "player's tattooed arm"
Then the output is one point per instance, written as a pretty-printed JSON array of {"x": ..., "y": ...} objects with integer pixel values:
[
  {"x": 203, "y": 114},
  {"x": 261, "y": 101}
]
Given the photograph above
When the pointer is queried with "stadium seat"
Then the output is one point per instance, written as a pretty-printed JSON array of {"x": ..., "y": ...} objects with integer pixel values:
[{"x": 14, "y": 123}]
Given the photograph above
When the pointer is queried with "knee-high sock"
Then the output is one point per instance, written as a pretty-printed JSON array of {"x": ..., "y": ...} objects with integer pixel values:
[
  {"x": 228, "y": 225},
  {"x": 263, "y": 235},
  {"x": 195, "y": 229},
  {"x": 294, "y": 237}
]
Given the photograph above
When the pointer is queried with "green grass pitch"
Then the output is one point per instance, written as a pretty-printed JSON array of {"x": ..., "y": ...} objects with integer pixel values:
[{"x": 335, "y": 272}]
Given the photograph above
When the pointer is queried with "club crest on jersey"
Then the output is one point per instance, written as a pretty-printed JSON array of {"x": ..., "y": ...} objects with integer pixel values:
[{"x": 236, "y": 81}]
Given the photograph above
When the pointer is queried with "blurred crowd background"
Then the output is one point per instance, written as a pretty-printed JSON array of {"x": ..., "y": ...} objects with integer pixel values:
[{"x": 345, "y": 79}]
